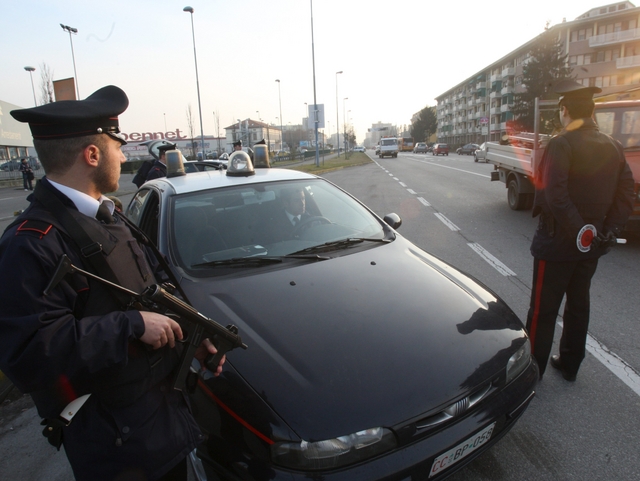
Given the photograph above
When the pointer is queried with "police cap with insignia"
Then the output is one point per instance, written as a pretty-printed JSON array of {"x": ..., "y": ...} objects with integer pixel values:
[
  {"x": 97, "y": 114},
  {"x": 570, "y": 89},
  {"x": 237, "y": 143}
]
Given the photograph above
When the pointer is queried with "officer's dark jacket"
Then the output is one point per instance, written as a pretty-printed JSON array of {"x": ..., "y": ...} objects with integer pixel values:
[
  {"x": 157, "y": 171},
  {"x": 583, "y": 178},
  {"x": 79, "y": 340}
]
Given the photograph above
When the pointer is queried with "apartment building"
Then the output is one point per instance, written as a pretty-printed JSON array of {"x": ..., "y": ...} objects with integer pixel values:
[{"x": 602, "y": 47}]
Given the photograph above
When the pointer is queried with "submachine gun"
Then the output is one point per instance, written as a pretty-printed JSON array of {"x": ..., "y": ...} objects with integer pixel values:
[{"x": 224, "y": 338}]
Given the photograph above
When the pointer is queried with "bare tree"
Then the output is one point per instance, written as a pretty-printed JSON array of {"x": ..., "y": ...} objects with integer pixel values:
[
  {"x": 190, "y": 129},
  {"x": 216, "y": 119},
  {"x": 46, "y": 84}
]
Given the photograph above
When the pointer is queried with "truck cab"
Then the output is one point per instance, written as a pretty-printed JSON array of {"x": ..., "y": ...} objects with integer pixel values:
[{"x": 388, "y": 147}]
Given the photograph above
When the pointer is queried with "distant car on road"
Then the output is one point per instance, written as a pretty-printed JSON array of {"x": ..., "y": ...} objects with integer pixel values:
[
  {"x": 439, "y": 149},
  {"x": 467, "y": 149},
  {"x": 358, "y": 149},
  {"x": 481, "y": 153},
  {"x": 377, "y": 151},
  {"x": 420, "y": 148}
]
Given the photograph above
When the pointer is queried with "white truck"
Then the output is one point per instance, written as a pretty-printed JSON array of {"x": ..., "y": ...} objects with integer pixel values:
[
  {"x": 388, "y": 147},
  {"x": 515, "y": 164}
]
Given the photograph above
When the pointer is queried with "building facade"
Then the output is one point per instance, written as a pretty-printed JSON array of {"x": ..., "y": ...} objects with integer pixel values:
[
  {"x": 15, "y": 137},
  {"x": 602, "y": 48}
]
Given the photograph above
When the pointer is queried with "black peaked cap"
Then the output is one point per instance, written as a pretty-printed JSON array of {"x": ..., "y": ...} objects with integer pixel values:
[
  {"x": 575, "y": 90},
  {"x": 97, "y": 114}
]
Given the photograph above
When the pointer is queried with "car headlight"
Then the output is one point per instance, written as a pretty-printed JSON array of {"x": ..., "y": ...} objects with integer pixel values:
[
  {"x": 519, "y": 361},
  {"x": 333, "y": 453}
]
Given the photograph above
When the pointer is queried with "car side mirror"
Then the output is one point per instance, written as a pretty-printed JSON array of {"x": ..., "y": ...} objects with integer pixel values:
[{"x": 393, "y": 220}]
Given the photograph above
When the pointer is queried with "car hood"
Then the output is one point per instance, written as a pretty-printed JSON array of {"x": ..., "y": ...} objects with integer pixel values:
[{"x": 367, "y": 339}]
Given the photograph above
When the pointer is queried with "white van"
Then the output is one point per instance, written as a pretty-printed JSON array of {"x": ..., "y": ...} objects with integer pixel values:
[{"x": 388, "y": 147}]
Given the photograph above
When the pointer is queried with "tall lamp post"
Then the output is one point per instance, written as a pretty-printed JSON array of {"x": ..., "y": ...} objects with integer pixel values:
[
  {"x": 195, "y": 57},
  {"x": 71, "y": 30},
  {"x": 280, "y": 103},
  {"x": 31, "y": 70}
]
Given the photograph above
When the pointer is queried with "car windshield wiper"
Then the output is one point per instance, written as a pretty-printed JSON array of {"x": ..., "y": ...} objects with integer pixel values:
[
  {"x": 338, "y": 245},
  {"x": 241, "y": 262}
]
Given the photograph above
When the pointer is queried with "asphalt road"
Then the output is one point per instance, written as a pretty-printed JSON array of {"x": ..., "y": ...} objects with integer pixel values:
[{"x": 571, "y": 431}]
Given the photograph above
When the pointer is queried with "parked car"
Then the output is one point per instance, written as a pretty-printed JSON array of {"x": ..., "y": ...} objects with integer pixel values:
[
  {"x": 420, "y": 148},
  {"x": 358, "y": 149},
  {"x": 202, "y": 165},
  {"x": 348, "y": 373},
  {"x": 481, "y": 153},
  {"x": 440, "y": 149},
  {"x": 467, "y": 149},
  {"x": 11, "y": 165},
  {"x": 377, "y": 151}
]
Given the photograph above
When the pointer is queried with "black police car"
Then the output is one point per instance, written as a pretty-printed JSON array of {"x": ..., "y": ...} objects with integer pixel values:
[{"x": 368, "y": 358}]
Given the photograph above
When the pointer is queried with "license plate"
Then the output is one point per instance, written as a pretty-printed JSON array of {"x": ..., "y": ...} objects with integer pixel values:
[{"x": 461, "y": 451}]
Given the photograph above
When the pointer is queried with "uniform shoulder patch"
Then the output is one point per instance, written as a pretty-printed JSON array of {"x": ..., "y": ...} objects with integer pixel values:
[{"x": 34, "y": 226}]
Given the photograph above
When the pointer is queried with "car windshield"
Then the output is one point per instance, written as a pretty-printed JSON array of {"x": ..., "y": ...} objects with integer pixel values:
[
  {"x": 210, "y": 228},
  {"x": 388, "y": 142}
]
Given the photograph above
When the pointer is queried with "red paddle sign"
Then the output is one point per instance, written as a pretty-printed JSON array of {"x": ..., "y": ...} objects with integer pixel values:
[{"x": 585, "y": 237}]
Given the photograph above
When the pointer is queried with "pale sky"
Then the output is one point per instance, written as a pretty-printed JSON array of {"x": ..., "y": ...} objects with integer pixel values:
[{"x": 396, "y": 56}]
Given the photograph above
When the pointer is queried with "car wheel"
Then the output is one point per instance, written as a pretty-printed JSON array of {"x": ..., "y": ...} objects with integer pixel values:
[{"x": 516, "y": 200}]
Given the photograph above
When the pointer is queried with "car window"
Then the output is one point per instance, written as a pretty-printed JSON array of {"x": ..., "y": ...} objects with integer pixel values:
[{"x": 250, "y": 220}]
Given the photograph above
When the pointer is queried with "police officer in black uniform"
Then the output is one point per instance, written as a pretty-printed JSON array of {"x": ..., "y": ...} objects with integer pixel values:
[
  {"x": 583, "y": 178},
  {"x": 98, "y": 370},
  {"x": 159, "y": 167}
]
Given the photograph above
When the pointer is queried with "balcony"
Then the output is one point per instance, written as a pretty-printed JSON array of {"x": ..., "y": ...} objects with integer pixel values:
[
  {"x": 471, "y": 102},
  {"x": 470, "y": 116},
  {"x": 480, "y": 100},
  {"x": 503, "y": 126},
  {"x": 495, "y": 95},
  {"x": 506, "y": 107},
  {"x": 614, "y": 37},
  {"x": 507, "y": 89},
  {"x": 481, "y": 85},
  {"x": 495, "y": 127},
  {"x": 628, "y": 62},
  {"x": 495, "y": 110},
  {"x": 496, "y": 78},
  {"x": 480, "y": 113},
  {"x": 508, "y": 72}
]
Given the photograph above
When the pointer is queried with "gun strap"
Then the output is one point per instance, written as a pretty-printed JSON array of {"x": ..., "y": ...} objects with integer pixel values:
[
  {"x": 144, "y": 239},
  {"x": 90, "y": 249}
]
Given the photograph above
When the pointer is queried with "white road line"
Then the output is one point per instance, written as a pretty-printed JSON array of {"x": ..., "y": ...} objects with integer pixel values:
[
  {"x": 395, "y": 178},
  {"x": 403, "y": 184},
  {"x": 446, "y": 222},
  {"x": 613, "y": 362},
  {"x": 424, "y": 202},
  {"x": 493, "y": 261},
  {"x": 453, "y": 168},
  {"x": 411, "y": 191}
]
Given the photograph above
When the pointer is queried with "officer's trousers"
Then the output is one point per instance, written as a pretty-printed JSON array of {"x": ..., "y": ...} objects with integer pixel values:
[{"x": 551, "y": 281}]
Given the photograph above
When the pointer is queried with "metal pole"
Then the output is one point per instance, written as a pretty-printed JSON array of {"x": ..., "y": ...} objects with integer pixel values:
[
  {"x": 195, "y": 57},
  {"x": 315, "y": 103},
  {"x": 30, "y": 70},
  {"x": 337, "y": 117},
  {"x": 344, "y": 126},
  {"x": 280, "y": 103},
  {"x": 73, "y": 56}
]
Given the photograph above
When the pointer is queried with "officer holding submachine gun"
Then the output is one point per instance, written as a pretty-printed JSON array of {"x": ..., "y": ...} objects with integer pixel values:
[
  {"x": 87, "y": 325},
  {"x": 584, "y": 195}
]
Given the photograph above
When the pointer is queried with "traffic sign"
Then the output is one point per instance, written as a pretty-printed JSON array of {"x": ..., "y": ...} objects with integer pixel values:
[{"x": 484, "y": 120}]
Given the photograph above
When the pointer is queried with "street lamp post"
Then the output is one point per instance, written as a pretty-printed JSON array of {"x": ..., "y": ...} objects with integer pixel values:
[
  {"x": 337, "y": 116},
  {"x": 195, "y": 57},
  {"x": 280, "y": 103},
  {"x": 71, "y": 30},
  {"x": 30, "y": 70}
]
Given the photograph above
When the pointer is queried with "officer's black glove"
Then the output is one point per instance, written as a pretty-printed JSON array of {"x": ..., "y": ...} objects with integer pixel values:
[{"x": 604, "y": 240}]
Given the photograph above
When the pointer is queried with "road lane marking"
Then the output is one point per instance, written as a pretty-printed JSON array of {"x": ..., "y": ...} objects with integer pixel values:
[
  {"x": 424, "y": 202},
  {"x": 454, "y": 168},
  {"x": 411, "y": 191},
  {"x": 614, "y": 363},
  {"x": 493, "y": 261},
  {"x": 403, "y": 184},
  {"x": 446, "y": 222}
]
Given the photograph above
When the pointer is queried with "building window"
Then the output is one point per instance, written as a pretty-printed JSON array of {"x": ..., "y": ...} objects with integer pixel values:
[
  {"x": 580, "y": 60},
  {"x": 606, "y": 81},
  {"x": 582, "y": 34},
  {"x": 607, "y": 56},
  {"x": 574, "y": 36},
  {"x": 572, "y": 60},
  {"x": 587, "y": 58},
  {"x": 598, "y": 81}
]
